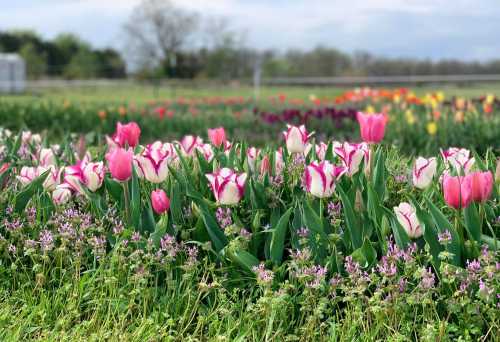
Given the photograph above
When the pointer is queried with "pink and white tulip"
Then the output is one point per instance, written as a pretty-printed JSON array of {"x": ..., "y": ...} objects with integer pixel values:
[
  {"x": 423, "y": 172},
  {"x": 46, "y": 157},
  {"x": 296, "y": 138},
  {"x": 459, "y": 159},
  {"x": 30, "y": 173},
  {"x": 351, "y": 155},
  {"x": 189, "y": 143},
  {"x": 321, "y": 177},
  {"x": 252, "y": 154},
  {"x": 207, "y": 151},
  {"x": 84, "y": 173},
  {"x": 61, "y": 194},
  {"x": 407, "y": 218},
  {"x": 228, "y": 186},
  {"x": 152, "y": 163}
]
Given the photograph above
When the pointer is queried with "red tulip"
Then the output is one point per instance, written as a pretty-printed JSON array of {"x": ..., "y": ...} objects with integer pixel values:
[
  {"x": 372, "y": 126},
  {"x": 217, "y": 136},
  {"x": 128, "y": 133},
  {"x": 160, "y": 201},
  {"x": 482, "y": 185},
  {"x": 457, "y": 191},
  {"x": 120, "y": 163}
]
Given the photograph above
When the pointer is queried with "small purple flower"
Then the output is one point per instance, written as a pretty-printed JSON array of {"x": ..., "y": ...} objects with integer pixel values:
[
  {"x": 428, "y": 279},
  {"x": 386, "y": 267},
  {"x": 12, "y": 249},
  {"x": 402, "y": 284},
  {"x": 263, "y": 276},
  {"x": 168, "y": 244},
  {"x": 402, "y": 178},
  {"x": 9, "y": 210},
  {"x": 223, "y": 216},
  {"x": 303, "y": 232},
  {"x": 334, "y": 209},
  {"x": 473, "y": 266},
  {"x": 445, "y": 237},
  {"x": 136, "y": 237},
  {"x": 46, "y": 240},
  {"x": 245, "y": 233}
]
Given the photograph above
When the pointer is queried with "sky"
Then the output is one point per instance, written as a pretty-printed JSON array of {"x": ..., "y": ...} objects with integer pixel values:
[{"x": 434, "y": 29}]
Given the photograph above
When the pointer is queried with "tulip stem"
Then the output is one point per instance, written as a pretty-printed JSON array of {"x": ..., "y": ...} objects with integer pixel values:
[{"x": 126, "y": 196}]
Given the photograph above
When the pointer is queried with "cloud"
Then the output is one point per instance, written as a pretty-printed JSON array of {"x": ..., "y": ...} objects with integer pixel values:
[{"x": 408, "y": 28}]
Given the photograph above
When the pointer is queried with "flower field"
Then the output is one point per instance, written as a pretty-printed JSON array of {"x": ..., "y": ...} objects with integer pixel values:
[{"x": 373, "y": 215}]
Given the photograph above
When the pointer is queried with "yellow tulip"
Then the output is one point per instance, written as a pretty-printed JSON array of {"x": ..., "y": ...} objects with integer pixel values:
[
  {"x": 369, "y": 109},
  {"x": 410, "y": 118},
  {"x": 432, "y": 128}
]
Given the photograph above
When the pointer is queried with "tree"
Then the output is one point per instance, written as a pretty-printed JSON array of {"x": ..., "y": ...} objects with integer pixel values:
[
  {"x": 157, "y": 31},
  {"x": 84, "y": 64},
  {"x": 36, "y": 63}
]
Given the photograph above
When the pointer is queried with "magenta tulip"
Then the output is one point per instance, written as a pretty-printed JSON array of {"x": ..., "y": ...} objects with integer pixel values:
[
  {"x": 120, "y": 163},
  {"x": 160, "y": 201},
  {"x": 217, "y": 136},
  {"x": 127, "y": 134},
  {"x": 482, "y": 185},
  {"x": 457, "y": 191},
  {"x": 372, "y": 126}
]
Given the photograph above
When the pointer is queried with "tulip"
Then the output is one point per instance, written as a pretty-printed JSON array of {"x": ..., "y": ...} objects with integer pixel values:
[
  {"x": 217, "y": 136},
  {"x": 321, "y": 177},
  {"x": 265, "y": 166},
  {"x": 120, "y": 163},
  {"x": 30, "y": 173},
  {"x": 61, "y": 194},
  {"x": 228, "y": 186},
  {"x": 127, "y": 134},
  {"x": 153, "y": 162},
  {"x": 296, "y": 139},
  {"x": 423, "y": 172},
  {"x": 482, "y": 185},
  {"x": 352, "y": 155},
  {"x": 4, "y": 168},
  {"x": 252, "y": 154},
  {"x": 457, "y": 191},
  {"x": 407, "y": 218},
  {"x": 46, "y": 157},
  {"x": 372, "y": 127},
  {"x": 279, "y": 164},
  {"x": 459, "y": 159},
  {"x": 497, "y": 172},
  {"x": 160, "y": 201},
  {"x": 189, "y": 143},
  {"x": 90, "y": 174},
  {"x": 206, "y": 151}
]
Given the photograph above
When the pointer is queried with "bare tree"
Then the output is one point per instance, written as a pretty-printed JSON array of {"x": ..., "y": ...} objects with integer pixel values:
[{"x": 157, "y": 30}]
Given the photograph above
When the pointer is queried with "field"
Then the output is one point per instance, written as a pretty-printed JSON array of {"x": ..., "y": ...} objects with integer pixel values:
[{"x": 309, "y": 214}]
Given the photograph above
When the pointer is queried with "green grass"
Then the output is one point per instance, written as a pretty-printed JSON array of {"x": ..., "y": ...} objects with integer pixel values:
[{"x": 142, "y": 94}]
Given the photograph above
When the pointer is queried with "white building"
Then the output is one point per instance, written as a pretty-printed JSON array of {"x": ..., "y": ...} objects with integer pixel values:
[{"x": 12, "y": 73}]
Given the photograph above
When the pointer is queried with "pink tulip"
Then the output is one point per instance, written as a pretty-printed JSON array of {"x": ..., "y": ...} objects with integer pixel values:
[
  {"x": 265, "y": 166},
  {"x": 321, "y": 177},
  {"x": 372, "y": 127},
  {"x": 61, "y": 194},
  {"x": 482, "y": 185},
  {"x": 127, "y": 134},
  {"x": 4, "y": 168},
  {"x": 206, "y": 151},
  {"x": 153, "y": 162},
  {"x": 296, "y": 138},
  {"x": 46, "y": 157},
  {"x": 407, "y": 217},
  {"x": 459, "y": 159},
  {"x": 228, "y": 186},
  {"x": 352, "y": 155},
  {"x": 120, "y": 163},
  {"x": 160, "y": 201},
  {"x": 457, "y": 191},
  {"x": 189, "y": 143},
  {"x": 217, "y": 136},
  {"x": 423, "y": 172},
  {"x": 28, "y": 174},
  {"x": 252, "y": 154},
  {"x": 89, "y": 174}
]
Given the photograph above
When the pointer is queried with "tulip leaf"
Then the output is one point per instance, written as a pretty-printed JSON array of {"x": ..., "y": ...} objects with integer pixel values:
[
  {"x": 148, "y": 220},
  {"x": 278, "y": 237},
  {"x": 379, "y": 173},
  {"x": 244, "y": 259},
  {"x": 23, "y": 197},
  {"x": 352, "y": 223},
  {"x": 442, "y": 224},
  {"x": 175, "y": 203},
  {"x": 159, "y": 231},
  {"x": 114, "y": 189},
  {"x": 317, "y": 236},
  {"x": 217, "y": 236},
  {"x": 204, "y": 165},
  {"x": 366, "y": 255},
  {"x": 402, "y": 239},
  {"x": 135, "y": 200},
  {"x": 472, "y": 222}
]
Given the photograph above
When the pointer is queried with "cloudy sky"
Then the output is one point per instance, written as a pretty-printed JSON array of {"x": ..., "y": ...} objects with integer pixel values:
[{"x": 464, "y": 29}]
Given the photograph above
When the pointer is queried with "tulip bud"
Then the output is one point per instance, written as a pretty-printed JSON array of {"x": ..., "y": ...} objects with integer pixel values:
[
  {"x": 321, "y": 177},
  {"x": 120, "y": 163},
  {"x": 160, "y": 201},
  {"x": 252, "y": 154},
  {"x": 296, "y": 139},
  {"x": 423, "y": 172},
  {"x": 457, "y": 191},
  {"x": 407, "y": 218},
  {"x": 265, "y": 166},
  {"x": 372, "y": 126},
  {"x": 228, "y": 187},
  {"x": 127, "y": 134},
  {"x": 46, "y": 157},
  {"x": 482, "y": 185},
  {"x": 217, "y": 136},
  {"x": 61, "y": 194}
]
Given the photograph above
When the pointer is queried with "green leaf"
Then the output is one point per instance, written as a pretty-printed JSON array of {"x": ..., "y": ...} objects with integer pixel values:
[
  {"x": 135, "y": 200},
  {"x": 244, "y": 259},
  {"x": 352, "y": 223},
  {"x": 317, "y": 236},
  {"x": 160, "y": 230},
  {"x": 278, "y": 237},
  {"x": 472, "y": 222},
  {"x": 114, "y": 189},
  {"x": 23, "y": 197},
  {"x": 366, "y": 255},
  {"x": 217, "y": 236},
  {"x": 379, "y": 173}
]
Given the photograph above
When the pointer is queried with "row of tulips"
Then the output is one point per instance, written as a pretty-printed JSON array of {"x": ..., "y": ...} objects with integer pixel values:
[{"x": 275, "y": 196}]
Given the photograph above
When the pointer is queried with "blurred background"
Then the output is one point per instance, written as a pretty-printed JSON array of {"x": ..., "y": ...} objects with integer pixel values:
[{"x": 122, "y": 49}]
